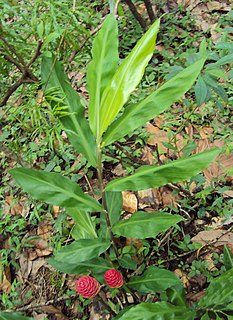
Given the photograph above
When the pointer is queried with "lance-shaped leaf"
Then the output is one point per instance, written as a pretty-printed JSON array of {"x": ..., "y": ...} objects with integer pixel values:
[
  {"x": 54, "y": 189},
  {"x": 126, "y": 78},
  {"x": 13, "y": 316},
  {"x": 84, "y": 228},
  {"x": 82, "y": 250},
  {"x": 157, "y": 311},
  {"x": 61, "y": 95},
  {"x": 154, "y": 280},
  {"x": 96, "y": 266},
  {"x": 138, "y": 114},
  {"x": 114, "y": 204},
  {"x": 219, "y": 292},
  {"x": 101, "y": 68},
  {"x": 145, "y": 224},
  {"x": 154, "y": 176}
]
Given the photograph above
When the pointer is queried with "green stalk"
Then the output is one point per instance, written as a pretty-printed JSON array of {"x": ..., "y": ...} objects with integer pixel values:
[{"x": 101, "y": 186}]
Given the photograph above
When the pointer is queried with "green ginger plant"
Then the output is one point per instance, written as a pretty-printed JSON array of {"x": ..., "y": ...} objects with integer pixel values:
[{"x": 95, "y": 249}]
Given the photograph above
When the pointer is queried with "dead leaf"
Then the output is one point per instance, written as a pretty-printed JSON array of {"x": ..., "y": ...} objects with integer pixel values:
[
  {"x": 183, "y": 277},
  {"x": 130, "y": 202},
  {"x": 217, "y": 5},
  {"x": 221, "y": 164},
  {"x": 159, "y": 136},
  {"x": 56, "y": 210},
  {"x": 206, "y": 132},
  {"x": 215, "y": 237},
  {"x": 149, "y": 197},
  {"x": 14, "y": 206},
  {"x": 209, "y": 259},
  {"x": 37, "y": 264},
  {"x": 147, "y": 155},
  {"x": 119, "y": 170},
  {"x": 41, "y": 316},
  {"x": 25, "y": 265},
  {"x": 168, "y": 198},
  {"x": 135, "y": 242},
  {"x": 55, "y": 311},
  {"x": 44, "y": 230},
  {"x": 228, "y": 194},
  {"x": 5, "y": 279}
]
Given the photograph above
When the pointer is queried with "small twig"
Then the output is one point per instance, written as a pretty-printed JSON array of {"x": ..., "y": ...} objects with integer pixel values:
[
  {"x": 157, "y": 154},
  {"x": 13, "y": 88},
  {"x": 149, "y": 10},
  {"x": 36, "y": 54},
  {"x": 116, "y": 8},
  {"x": 181, "y": 189},
  {"x": 40, "y": 305},
  {"x": 12, "y": 60},
  {"x": 135, "y": 13}
]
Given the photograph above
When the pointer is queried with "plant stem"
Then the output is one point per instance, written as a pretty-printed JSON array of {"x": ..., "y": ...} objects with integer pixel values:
[{"x": 101, "y": 186}]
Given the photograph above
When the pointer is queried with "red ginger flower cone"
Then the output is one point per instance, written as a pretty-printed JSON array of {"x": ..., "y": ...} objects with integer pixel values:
[
  {"x": 87, "y": 287},
  {"x": 113, "y": 278}
]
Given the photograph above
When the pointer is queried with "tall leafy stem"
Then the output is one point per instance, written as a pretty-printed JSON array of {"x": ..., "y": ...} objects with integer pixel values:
[{"x": 109, "y": 119}]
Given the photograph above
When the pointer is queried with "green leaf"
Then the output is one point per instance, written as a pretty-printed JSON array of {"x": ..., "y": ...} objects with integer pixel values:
[
  {"x": 84, "y": 228},
  {"x": 228, "y": 258},
  {"x": 176, "y": 295},
  {"x": 154, "y": 280},
  {"x": 157, "y": 311},
  {"x": 114, "y": 207},
  {"x": 145, "y": 224},
  {"x": 201, "y": 91},
  {"x": 102, "y": 68},
  {"x": 153, "y": 176},
  {"x": 138, "y": 114},
  {"x": 54, "y": 189},
  {"x": 96, "y": 266},
  {"x": 224, "y": 60},
  {"x": 81, "y": 250},
  {"x": 127, "y": 262},
  {"x": 126, "y": 78},
  {"x": 219, "y": 292},
  {"x": 114, "y": 204},
  {"x": 12, "y": 316},
  {"x": 74, "y": 121}
]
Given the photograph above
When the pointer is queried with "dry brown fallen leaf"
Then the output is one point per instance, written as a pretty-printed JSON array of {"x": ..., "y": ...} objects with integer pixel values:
[
  {"x": 149, "y": 197},
  {"x": 215, "y": 237},
  {"x": 5, "y": 279},
  {"x": 217, "y": 5},
  {"x": 147, "y": 155},
  {"x": 130, "y": 202},
  {"x": 183, "y": 277},
  {"x": 14, "y": 206},
  {"x": 37, "y": 264},
  {"x": 54, "y": 311},
  {"x": 219, "y": 166},
  {"x": 119, "y": 170},
  {"x": 159, "y": 136},
  {"x": 25, "y": 265}
]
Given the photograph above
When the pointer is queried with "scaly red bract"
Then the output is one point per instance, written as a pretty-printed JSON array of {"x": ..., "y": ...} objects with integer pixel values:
[
  {"x": 87, "y": 287},
  {"x": 113, "y": 278}
]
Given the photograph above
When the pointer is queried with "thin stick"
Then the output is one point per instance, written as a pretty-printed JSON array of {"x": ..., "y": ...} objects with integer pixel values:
[{"x": 135, "y": 13}]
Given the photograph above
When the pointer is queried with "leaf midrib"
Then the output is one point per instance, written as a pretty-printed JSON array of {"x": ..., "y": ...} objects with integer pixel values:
[{"x": 73, "y": 195}]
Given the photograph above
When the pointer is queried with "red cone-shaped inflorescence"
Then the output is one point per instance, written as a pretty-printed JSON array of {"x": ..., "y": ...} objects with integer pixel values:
[
  {"x": 113, "y": 278},
  {"x": 87, "y": 287}
]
